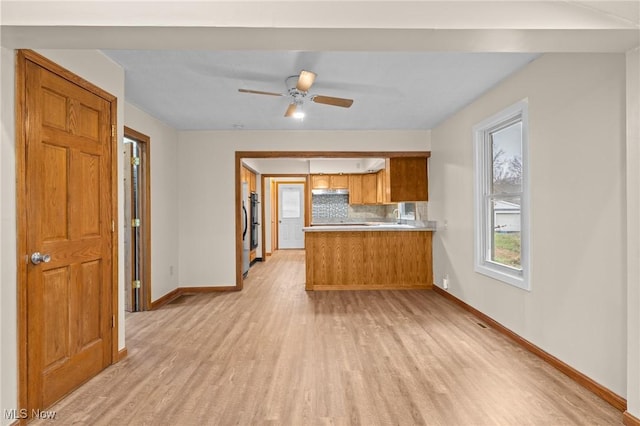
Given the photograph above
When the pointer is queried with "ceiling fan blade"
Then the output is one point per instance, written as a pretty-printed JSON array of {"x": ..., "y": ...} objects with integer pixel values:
[
  {"x": 305, "y": 80},
  {"x": 328, "y": 100},
  {"x": 291, "y": 110},
  {"x": 259, "y": 92}
]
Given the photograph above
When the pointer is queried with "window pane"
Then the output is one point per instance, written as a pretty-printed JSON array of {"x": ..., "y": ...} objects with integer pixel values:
[
  {"x": 506, "y": 149},
  {"x": 291, "y": 204},
  {"x": 505, "y": 245}
]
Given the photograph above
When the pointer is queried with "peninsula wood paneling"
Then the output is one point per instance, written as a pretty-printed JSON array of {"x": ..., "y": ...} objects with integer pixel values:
[{"x": 368, "y": 260}]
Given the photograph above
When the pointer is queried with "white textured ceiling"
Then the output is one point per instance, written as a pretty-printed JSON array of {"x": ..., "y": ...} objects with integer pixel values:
[{"x": 198, "y": 90}]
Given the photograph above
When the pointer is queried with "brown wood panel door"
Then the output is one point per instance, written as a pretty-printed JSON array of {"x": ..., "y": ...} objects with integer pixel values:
[
  {"x": 320, "y": 181},
  {"x": 369, "y": 188},
  {"x": 69, "y": 217},
  {"x": 339, "y": 182},
  {"x": 355, "y": 189}
]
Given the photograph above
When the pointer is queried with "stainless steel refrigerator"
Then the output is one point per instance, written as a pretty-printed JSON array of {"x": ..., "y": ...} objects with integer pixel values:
[{"x": 246, "y": 237}]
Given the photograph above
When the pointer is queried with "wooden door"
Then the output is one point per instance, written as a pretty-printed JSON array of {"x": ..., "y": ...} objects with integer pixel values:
[{"x": 68, "y": 207}]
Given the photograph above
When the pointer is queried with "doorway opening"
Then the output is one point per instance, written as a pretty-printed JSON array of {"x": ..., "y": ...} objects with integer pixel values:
[
  {"x": 241, "y": 156},
  {"x": 137, "y": 221},
  {"x": 270, "y": 209},
  {"x": 290, "y": 214}
]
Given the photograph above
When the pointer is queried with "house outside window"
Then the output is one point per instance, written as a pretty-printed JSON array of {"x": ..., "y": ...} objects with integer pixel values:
[{"x": 502, "y": 196}]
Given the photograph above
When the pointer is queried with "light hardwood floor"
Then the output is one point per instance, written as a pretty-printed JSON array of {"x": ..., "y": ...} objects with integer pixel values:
[{"x": 275, "y": 354}]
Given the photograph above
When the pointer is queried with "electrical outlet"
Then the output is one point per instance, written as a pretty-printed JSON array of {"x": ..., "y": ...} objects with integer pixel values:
[{"x": 445, "y": 282}]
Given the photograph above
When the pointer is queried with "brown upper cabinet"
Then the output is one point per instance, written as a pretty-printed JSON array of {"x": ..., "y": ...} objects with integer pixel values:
[
  {"x": 252, "y": 182},
  {"x": 329, "y": 181},
  {"x": 363, "y": 189},
  {"x": 405, "y": 179},
  {"x": 248, "y": 176},
  {"x": 355, "y": 189},
  {"x": 369, "y": 188},
  {"x": 380, "y": 189}
]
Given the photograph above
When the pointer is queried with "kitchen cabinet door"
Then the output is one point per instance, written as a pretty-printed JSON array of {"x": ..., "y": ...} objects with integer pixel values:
[
  {"x": 319, "y": 181},
  {"x": 252, "y": 181},
  {"x": 369, "y": 188},
  {"x": 339, "y": 181},
  {"x": 380, "y": 193},
  {"x": 406, "y": 179},
  {"x": 355, "y": 189}
]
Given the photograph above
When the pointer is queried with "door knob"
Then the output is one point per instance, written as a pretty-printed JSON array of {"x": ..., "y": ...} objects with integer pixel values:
[{"x": 37, "y": 258}]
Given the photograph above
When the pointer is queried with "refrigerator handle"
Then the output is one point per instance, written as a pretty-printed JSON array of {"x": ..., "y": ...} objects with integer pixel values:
[{"x": 244, "y": 210}]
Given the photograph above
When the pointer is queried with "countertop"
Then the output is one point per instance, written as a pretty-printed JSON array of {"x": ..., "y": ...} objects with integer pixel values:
[{"x": 367, "y": 226}]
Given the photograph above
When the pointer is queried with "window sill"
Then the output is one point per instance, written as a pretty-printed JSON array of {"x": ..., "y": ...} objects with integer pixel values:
[{"x": 501, "y": 274}]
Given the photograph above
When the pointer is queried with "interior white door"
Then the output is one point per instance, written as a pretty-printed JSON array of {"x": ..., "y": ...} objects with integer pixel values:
[{"x": 290, "y": 216}]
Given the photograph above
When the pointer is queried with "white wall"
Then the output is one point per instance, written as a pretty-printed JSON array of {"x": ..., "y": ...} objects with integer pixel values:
[
  {"x": 8, "y": 288},
  {"x": 633, "y": 232},
  {"x": 207, "y": 194},
  {"x": 267, "y": 166},
  {"x": 164, "y": 193},
  {"x": 576, "y": 309}
]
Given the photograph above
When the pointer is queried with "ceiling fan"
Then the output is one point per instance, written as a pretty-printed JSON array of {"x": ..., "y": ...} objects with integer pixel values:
[{"x": 300, "y": 92}]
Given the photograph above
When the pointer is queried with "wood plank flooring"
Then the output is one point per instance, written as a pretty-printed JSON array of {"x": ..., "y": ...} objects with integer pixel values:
[{"x": 275, "y": 354}]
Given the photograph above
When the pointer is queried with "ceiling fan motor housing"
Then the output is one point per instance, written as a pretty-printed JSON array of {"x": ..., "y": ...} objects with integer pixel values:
[{"x": 298, "y": 89}]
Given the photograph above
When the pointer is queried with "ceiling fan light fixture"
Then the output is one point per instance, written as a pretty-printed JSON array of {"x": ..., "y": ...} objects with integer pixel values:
[
  {"x": 305, "y": 80},
  {"x": 299, "y": 92},
  {"x": 299, "y": 113}
]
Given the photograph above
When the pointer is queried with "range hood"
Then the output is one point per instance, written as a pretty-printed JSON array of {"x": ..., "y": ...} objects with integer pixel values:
[{"x": 330, "y": 191}]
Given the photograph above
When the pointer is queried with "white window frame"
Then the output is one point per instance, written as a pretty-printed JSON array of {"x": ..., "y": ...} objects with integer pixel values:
[{"x": 483, "y": 165}]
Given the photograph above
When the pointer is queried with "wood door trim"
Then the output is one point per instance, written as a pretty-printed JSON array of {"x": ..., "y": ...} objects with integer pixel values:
[
  {"x": 307, "y": 205},
  {"x": 22, "y": 57},
  {"x": 146, "y": 220},
  {"x": 331, "y": 154},
  {"x": 580, "y": 378},
  {"x": 305, "y": 193},
  {"x": 122, "y": 354},
  {"x": 239, "y": 155}
]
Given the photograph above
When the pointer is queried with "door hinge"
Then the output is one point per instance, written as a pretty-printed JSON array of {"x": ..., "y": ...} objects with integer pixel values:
[
  {"x": 113, "y": 321},
  {"x": 135, "y": 284},
  {"x": 113, "y": 130},
  {"x": 135, "y": 223},
  {"x": 113, "y": 226},
  {"x": 135, "y": 161}
]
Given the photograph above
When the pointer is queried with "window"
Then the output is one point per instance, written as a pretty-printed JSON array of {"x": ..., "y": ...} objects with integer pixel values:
[
  {"x": 407, "y": 211},
  {"x": 502, "y": 196}
]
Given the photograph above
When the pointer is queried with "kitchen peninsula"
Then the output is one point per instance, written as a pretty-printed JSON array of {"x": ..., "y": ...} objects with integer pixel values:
[{"x": 375, "y": 256}]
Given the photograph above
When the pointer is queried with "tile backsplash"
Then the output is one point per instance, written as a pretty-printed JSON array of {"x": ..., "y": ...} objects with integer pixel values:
[{"x": 329, "y": 207}]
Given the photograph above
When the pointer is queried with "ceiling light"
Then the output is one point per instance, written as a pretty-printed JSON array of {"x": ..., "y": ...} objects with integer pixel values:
[{"x": 299, "y": 112}]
